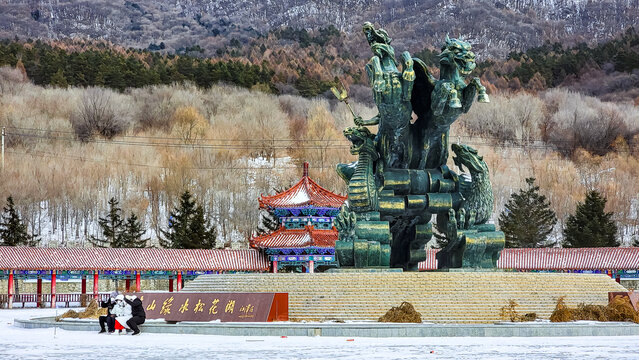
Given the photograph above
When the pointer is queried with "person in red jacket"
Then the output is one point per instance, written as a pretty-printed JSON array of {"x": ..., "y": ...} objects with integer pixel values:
[{"x": 137, "y": 312}]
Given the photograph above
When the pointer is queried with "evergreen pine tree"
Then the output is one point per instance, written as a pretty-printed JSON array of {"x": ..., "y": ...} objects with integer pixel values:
[
  {"x": 13, "y": 232},
  {"x": 111, "y": 227},
  {"x": 527, "y": 219},
  {"x": 59, "y": 80},
  {"x": 132, "y": 234},
  {"x": 268, "y": 223},
  {"x": 591, "y": 226},
  {"x": 201, "y": 234},
  {"x": 187, "y": 227}
]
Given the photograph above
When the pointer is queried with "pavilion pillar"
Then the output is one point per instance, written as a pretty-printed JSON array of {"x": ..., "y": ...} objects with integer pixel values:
[
  {"x": 137, "y": 281},
  {"x": 170, "y": 283},
  {"x": 311, "y": 266},
  {"x": 10, "y": 290},
  {"x": 52, "y": 288},
  {"x": 179, "y": 281},
  {"x": 39, "y": 292},
  {"x": 95, "y": 284},
  {"x": 274, "y": 266},
  {"x": 83, "y": 296},
  {"x": 127, "y": 284}
]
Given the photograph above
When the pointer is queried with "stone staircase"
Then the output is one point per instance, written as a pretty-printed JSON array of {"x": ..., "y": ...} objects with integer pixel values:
[{"x": 441, "y": 297}]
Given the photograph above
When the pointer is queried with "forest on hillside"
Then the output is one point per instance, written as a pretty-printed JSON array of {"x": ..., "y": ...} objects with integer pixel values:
[{"x": 307, "y": 63}]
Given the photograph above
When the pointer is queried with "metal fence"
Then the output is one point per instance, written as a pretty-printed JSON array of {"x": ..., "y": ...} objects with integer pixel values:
[{"x": 61, "y": 300}]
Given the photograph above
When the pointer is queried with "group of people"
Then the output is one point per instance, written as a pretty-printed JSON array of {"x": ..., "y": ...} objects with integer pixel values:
[{"x": 124, "y": 312}]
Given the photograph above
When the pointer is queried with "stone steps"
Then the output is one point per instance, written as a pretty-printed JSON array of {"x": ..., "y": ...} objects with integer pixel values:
[{"x": 445, "y": 297}]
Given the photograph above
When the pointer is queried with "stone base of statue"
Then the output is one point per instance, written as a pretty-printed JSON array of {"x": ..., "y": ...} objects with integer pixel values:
[{"x": 439, "y": 296}]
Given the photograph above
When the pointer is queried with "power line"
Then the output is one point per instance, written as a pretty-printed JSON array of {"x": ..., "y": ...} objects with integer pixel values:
[
  {"x": 206, "y": 168},
  {"x": 79, "y": 158},
  {"x": 178, "y": 138},
  {"x": 296, "y": 144},
  {"x": 527, "y": 142},
  {"x": 265, "y": 144}
]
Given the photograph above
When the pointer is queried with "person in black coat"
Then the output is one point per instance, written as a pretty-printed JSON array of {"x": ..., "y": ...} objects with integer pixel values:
[
  {"x": 109, "y": 318},
  {"x": 137, "y": 312}
]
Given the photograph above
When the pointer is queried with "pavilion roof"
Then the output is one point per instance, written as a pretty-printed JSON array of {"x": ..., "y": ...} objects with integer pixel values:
[
  {"x": 296, "y": 238},
  {"x": 558, "y": 259},
  {"x": 305, "y": 193},
  {"x": 31, "y": 258}
]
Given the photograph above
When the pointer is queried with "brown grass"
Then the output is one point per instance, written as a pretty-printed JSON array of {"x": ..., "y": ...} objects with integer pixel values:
[
  {"x": 509, "y": 313},
  {"x": 404, "y": 313},
  {"x": 92, "y": 311},
  {"x": 619, "y": 309}
]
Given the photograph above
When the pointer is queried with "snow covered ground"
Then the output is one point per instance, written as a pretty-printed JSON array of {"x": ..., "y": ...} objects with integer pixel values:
[{"x": 18, "y": 343}]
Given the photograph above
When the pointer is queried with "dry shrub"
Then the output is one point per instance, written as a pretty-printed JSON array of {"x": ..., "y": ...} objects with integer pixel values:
[
  {"x": 188, "y": 124},
  {"x": 564, "y": 119},
  {"x": 562, "y": 312},
  {"x": 515, "y": 118},
  {"x": 509, "y": 313},
  {"x": 68, "y": 314},
  {"x": 590, "y": 312},
  {"x": 253, "y": 123},
  {"x": 11, "y": 80},
  {"x": 618, "y": 309},
  {"x": 93, "y": 311},
  {"x": 154, "y": 107},
  {"x": 580, "y": 121},
  {"x": 100, "y": 112},
  {"x": 404, "y": 313}
]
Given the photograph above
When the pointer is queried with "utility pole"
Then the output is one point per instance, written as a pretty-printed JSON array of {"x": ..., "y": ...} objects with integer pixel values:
[{"x": 3, "y": 149}]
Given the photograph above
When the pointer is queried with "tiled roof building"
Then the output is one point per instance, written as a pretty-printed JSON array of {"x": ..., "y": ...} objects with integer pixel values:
[
  {"x": 306, "y": 236},
  {"x": 621, "y": 260}
]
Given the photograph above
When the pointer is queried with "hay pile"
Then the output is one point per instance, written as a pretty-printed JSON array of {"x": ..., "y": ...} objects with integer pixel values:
[
  {"x": 509, "y": 313},
  {"x": 618, "y": 309},
  {"x": 92, "y": 311},
  {"x": 404, "y": 313}
]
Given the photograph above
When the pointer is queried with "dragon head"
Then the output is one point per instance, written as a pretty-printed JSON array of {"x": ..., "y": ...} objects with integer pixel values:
[
  {"x": 457, "y": 53},
  {"x": 359, "y": 136},
  {"x": 379, "y": 36},
  {"x": 468, "y": 157}
]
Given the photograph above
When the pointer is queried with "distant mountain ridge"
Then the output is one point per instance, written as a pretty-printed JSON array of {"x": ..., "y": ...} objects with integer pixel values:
[{"x": 495, "y": 27}]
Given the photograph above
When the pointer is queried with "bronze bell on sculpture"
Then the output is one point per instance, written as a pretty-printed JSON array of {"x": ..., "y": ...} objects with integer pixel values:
[
  {"x": 482, "y": 97},
  {"x": 454, "y": 100}
]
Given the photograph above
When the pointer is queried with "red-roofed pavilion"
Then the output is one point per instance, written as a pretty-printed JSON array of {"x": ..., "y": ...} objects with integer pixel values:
[
  {"x": 306, "y": 236},
  {"x": 115, "y": 263},
  {"x": 621, "y": 263},
  {"x": 305, "y": 194}
]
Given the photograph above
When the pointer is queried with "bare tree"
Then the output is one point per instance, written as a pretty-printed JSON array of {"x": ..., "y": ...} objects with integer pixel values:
[
  {"x": 99, "y": 113},
  {"x": 11, "y": 80}
]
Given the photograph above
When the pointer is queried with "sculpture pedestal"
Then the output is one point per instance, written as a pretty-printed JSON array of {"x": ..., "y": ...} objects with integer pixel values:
[{"x": 454, "y": 296}]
